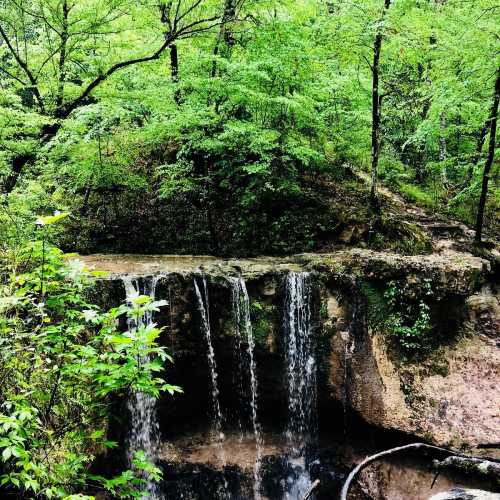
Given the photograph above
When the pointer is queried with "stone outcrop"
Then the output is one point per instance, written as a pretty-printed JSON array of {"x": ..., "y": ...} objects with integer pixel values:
[{"x": 449, "y": 398}]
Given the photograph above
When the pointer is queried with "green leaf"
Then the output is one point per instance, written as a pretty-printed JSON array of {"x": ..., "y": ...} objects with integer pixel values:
[
  {"x": 6, "y": 453},
  {"x": 51, "y": 219}
]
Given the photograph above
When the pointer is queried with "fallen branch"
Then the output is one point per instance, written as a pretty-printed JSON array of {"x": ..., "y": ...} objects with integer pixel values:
[
  {"x": 367, "y": 461},
  {"x": 310, "y": 491}
]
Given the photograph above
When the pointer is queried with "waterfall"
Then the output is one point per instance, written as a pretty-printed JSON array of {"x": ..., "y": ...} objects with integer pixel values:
[
  {"x": 204, "y": 309},
  {"x": 144, "y": 429},
  {"x": 244, "y": 332},
  {"x": 301, "y": 379},
  {"x": 300, "y": 359}
]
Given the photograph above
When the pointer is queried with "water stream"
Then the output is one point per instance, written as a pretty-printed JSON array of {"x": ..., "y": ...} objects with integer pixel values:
[
  {"x": 301, "y": 380},
  {"x": 244, "y": 333},
  {"x": 144, "y": 428}
]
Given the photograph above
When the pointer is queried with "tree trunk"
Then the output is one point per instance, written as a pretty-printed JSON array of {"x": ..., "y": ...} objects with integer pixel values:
[
  {"x": 174, "y": 71},
  {"x": 489, "y": 160},
  {"x": 62, "y": 55},
  {"x": 376, "y": 109},
  {"x": 225, "y": 37},
  {"x": 420, "y": 166},
  {"x": 18, "y": 163},
  {"x": 49, "y": 131}
]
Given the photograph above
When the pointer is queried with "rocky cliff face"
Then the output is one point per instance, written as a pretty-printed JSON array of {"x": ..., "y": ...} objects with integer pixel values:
[
  {"x": 450, "y": 399},
  {"x": 448, "y": 396}
]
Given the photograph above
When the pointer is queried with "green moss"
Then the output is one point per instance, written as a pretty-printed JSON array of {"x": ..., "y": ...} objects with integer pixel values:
[
  {"x": 402, "y": 312},
  {"x": 323, "y": 311},
  {"x": 412, "y": 397},
  {"x": 400, "y": 236}
]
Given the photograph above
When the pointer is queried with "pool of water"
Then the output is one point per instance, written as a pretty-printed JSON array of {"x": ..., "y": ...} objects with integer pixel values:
[{"x": 193, "y": 470}]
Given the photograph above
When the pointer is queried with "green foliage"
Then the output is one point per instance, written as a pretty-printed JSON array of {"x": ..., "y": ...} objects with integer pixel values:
[
  {"x": 403, "y": 312},
  {"x": 409, "y": 319},
  {"x": 417, "y": 195},
  {"x": 232, "y": 141},
  {"x": 60, "y": 360}
]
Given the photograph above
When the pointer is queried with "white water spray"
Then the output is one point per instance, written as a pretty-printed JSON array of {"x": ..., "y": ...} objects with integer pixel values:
[{"x": 204, "y": 309}]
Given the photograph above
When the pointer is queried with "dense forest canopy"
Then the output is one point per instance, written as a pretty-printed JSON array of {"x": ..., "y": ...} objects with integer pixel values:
[
  {"x": 206, "y": 118},
  {"x": 230, "y": 127}
]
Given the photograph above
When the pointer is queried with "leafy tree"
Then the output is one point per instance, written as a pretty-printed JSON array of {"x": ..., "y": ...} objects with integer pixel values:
[{"x": 57, "y": 53}]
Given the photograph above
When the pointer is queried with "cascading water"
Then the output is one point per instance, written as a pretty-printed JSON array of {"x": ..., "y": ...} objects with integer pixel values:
[
  {"x": 144, "y": 429},
  {"x": 244, "y": 332},
  {"x": 301, "y": 379},
  {"x": 204, "y": 309}
]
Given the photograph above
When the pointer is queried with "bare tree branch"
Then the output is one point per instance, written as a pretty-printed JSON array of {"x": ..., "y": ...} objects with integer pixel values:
[
  {"x": 368, "y": 460},
  {"x": 12, "y": 76}
]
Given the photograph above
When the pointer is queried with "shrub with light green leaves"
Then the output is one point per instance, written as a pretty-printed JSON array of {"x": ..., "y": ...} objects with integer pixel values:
[{"x": 61, "y": 359}]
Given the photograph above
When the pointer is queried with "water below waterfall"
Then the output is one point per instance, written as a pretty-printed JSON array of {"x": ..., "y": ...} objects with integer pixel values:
[
  {"x": 144, "y": 428},
  {"x": 301, "y": 381}
]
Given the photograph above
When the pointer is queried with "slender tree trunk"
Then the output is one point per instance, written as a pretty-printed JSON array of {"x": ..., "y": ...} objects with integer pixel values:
[
  {"x": 225, "y": 37},
  {"x": 376, "y": 108},
  {"x": 62, "y": 55},
  {"x": 442, "y": 149},
  {"x": 174, "y": 71},
  {"x": 420, "y": 173},
  {"x": 489, "y": 160}
]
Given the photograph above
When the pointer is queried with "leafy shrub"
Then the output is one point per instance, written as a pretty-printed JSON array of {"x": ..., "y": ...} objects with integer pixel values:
[{"x": 61, "y": 359}]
